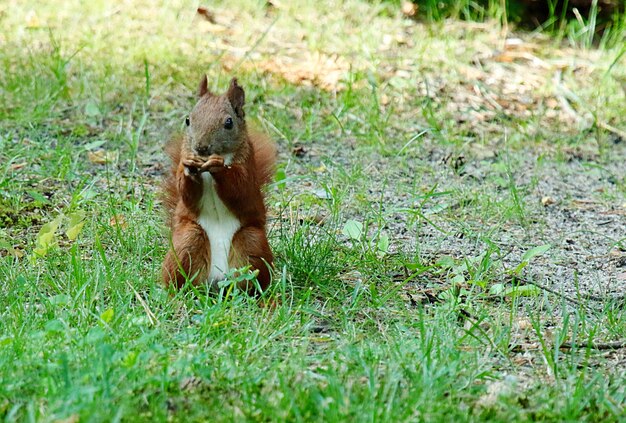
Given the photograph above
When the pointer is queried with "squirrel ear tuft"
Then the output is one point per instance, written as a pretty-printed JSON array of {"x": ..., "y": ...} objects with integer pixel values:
[
  {"x": 203, "y": 88},
  {"x": 237, "y": 97}
]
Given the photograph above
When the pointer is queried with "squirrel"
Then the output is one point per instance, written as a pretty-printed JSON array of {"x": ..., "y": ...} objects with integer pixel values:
[{"x": 213, "y": 195}]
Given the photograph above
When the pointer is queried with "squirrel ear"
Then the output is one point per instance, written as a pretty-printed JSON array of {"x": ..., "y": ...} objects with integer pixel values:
[
  {"x": 237, "y": 97},
  {"x": 203, "y": 88}
]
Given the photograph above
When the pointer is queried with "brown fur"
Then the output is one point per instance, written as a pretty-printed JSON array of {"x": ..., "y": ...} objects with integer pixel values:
[
  {"x": 170, "y": 190},
  {"x": 265, "y": 157},
  {"x": 239, "y": 186}
]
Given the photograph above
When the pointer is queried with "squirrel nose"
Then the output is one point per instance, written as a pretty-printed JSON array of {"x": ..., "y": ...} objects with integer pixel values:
[{"x": 203, "y": 151}]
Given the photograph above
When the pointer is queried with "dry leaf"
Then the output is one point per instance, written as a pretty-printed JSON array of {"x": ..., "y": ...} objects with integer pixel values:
[
  {"x": 309, "y": 69},
  {"x": 547, "y": 201},
  {"x": 18, "y": 166},
  {"x": 526, "y": 346},
  {"x": 409, "y": 9},
  {"x": 523, "y": 323},
  {"x": 523, "y": 359},
  {"x": 119, "y": 221},
  {"x": 102, "y": 156},
  {"x": 206, "y": 14},
  {"x": 7, "y": 246}
]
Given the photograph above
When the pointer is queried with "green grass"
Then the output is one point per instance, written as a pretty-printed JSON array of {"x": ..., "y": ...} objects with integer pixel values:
[{"x": 399, "y": 230}]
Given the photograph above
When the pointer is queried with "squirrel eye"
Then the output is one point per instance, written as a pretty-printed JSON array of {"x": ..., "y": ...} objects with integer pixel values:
[
  {"x": 187, "y": 121},
  {"x": 228, "y": 123}
]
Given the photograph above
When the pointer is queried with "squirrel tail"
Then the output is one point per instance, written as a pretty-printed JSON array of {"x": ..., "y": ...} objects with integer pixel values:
[
  {"x": 265, "y": 157},
  {"x": 170, "y": 188}
]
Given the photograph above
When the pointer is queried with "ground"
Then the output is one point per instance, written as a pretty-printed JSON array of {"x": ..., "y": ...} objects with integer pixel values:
[{"x": 448, "y": 217}]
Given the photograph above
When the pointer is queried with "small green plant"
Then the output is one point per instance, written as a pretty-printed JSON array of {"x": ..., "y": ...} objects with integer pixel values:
[
  {"x": 523, "y": 290},
  {"x": 47, "y": 238},
  {"x": 356, "y": 232}
]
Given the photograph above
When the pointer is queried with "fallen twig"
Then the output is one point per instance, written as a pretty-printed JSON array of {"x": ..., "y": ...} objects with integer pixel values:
[
  {"x": 594, "y": 297},
  {"x": 617, "y": 345},
  {"x": 552, "y": 291},
  {"x": 591, "y": 297},
  {"x": 149, "y": 313},
  {"x": 611, "y": 129}
]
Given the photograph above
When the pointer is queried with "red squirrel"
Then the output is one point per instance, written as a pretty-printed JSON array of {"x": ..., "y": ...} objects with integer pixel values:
[{"x": 213, "y": 194}]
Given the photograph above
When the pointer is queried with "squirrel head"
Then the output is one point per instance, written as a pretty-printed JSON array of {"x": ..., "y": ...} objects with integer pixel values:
[{"x": 216, "y": 125}]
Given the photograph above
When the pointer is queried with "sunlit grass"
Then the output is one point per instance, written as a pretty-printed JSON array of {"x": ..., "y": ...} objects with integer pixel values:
[{"x": 414, "y": 169}]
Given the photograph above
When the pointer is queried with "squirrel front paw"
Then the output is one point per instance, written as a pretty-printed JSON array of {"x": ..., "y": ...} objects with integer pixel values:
[
  {"x": 213, "y": 164},
  {"x": 193, "y": 165}
]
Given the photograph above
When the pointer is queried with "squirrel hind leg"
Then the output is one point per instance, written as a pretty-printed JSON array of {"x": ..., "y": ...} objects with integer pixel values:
[
  {"x": 189, "y": 258},
  {"x": 250, "y": 246}
]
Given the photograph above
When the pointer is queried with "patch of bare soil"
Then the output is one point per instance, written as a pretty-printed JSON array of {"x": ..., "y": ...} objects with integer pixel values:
[{"x": 570, "y": 196}]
